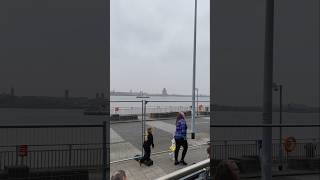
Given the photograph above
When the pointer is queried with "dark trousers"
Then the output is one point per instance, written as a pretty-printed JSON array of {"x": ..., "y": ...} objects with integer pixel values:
[
  {"x": 147, "y": 153},
  {"x": 179, "y": 143}
]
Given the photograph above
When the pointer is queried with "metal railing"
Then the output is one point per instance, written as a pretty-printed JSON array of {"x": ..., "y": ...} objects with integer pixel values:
[
  {"x": 194, "y": 169},
  {"x": 143, "y": 112},
  {"x": 55, "y": 146},
  {"x": 190, "y": 148},
  {"x": 135, "y": 107},
  {"x": 296, "y": 154},
  {"x": 54, "y": 156},
  {"x": 228, "y": 150}
]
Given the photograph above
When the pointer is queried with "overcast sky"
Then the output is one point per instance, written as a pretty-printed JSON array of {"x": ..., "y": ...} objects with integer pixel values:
[
  {"x": 48, "y": 46},
  {"x": 238, "y": 51},
  {"x": 51, "y": 45},
  {"x": 152, "y": 45}
]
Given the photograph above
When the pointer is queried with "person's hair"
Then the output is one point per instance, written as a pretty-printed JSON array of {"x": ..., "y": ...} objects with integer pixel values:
[
  {"x": 149, "y": 130},
  {"x": 224, "y": 171},
  {"x": 119, "y": 175},
  {"x": 179, "y": 116}
]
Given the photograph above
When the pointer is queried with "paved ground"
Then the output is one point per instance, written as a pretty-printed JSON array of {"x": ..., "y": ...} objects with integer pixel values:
[
  {"x": 126, "y": 137},
  {"x": 126, "y": 142},
  {"x": 162, "y": 165}
]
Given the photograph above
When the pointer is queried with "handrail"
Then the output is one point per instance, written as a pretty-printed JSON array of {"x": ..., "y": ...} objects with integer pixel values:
[
  {"x": 264, "y": 125},
  {"x": 254, "y": 140},
  {"x": 176, "y": 101},
  {"x": 123, "y": 101},
  {"x": 186, "y": 171},
  {"x": 194, "y": 147},
  {"x": 159, "y": 101},
  {"x": 50, "y": 126}
]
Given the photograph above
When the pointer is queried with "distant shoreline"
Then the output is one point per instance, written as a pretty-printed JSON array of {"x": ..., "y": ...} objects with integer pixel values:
[
  {"x": 218, "y": 109},
  {"x": 27, "y": 102},
  {"x": 169, "y": 95}
]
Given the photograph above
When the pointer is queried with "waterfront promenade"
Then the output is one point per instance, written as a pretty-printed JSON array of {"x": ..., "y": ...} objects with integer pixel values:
[
  {"x": 126, "y": 142},
  {"x": 80, "y": 147}
]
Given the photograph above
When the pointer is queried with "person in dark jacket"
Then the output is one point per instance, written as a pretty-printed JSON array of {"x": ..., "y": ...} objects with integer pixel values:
[
  {"x": 147, "y": 146},
  {"x": 181, "y": 138},
  {"x": 227, "y": 170}
]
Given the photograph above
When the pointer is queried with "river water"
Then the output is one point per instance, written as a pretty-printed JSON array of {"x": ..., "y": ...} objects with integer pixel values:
[
  {"x": 76, "y": 116},
  {"x": 51, "y": 137}
]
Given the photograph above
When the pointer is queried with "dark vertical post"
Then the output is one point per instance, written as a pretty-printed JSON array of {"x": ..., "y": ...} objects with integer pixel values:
[
  {"x": 267, "y": 93},
  {"x": 280, "y": 134},
  {"x": 70, "y": 154},
  {"x": 145, "y": 115},
  {"x": 197, "y": 101},
  {"x": 226, "y": 150},
  {"x": 104, "y": 151},
  {"x": 257, "y": 148},
  {"x": 211, "y": 136},
  {"x": 142, "y": 126},
  {"x": 193, "y": 128},
  {"x": 17, "y": 155},
  {"x": 211, "y": 89},
  {"x": 107, "y": 91}
]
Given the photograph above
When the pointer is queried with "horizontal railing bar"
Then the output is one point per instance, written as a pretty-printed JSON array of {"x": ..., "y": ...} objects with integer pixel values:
[
  {"x": 50, "y": 126},
  {"x": 265, "y": 125},
  {"x": 258, "y": 139},
  {"x": 52, "y": 145},
  {"x": 89, "y": 144},
  {"x": 191, "y": 148},
  {"x": 186, "y": 171},
  {"x": 176, "y": 101},
  {"x": 125, "y": 101},
  {"x": 157, "y": 153},
  {"x": 159, "y": 101},
  {"x": 149, "y": 119}
]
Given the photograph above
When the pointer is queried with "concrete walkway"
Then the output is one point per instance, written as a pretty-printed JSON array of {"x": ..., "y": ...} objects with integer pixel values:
[{"x": 162, "y": 165}]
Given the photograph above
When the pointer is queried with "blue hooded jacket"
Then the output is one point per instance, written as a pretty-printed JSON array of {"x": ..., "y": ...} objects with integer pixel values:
[{"x": 181, "y": 130}]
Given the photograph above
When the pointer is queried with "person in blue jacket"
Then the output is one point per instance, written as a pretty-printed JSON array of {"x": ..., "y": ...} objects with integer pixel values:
[{"x": 181, "y": 138}]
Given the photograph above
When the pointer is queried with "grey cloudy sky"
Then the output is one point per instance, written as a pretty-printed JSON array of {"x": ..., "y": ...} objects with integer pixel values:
[
  {"x": 48, "y": 46},
  {"x": 152, "y": 45},
  {"x": 238, "y": 51}
]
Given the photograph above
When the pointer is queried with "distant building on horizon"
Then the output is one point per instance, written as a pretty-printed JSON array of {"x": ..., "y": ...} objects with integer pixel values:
[
  {"x": 66, "y": 94},
  {"x": 12, "y": 92},
  {"x": 164, "y": 92}
]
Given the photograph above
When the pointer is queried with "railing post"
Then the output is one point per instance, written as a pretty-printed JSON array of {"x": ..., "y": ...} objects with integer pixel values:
[
  {"x": 257, "y": 148},
  {"x": 17, "y": 155},
  {"x": 70, "y": 154},
  {"x": 266, "y": 163},
  {"x": 226, "y": 149},
  {"x": 142, "y": 127},
  {"x": 104, "y": 151},
  {"x": 280, "y": 132}
]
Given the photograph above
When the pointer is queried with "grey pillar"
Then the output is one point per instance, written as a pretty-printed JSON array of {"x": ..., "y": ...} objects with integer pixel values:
[{"x": 267, "y": 93}]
